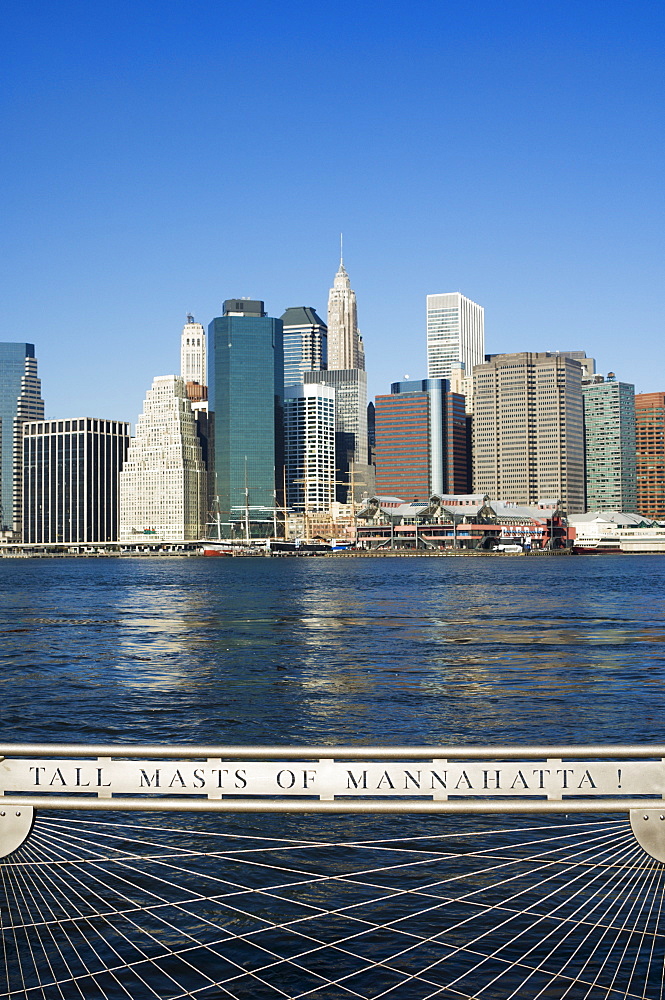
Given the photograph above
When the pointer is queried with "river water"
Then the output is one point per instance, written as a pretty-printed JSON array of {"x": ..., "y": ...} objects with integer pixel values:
[{"x": 304, "y": 651}]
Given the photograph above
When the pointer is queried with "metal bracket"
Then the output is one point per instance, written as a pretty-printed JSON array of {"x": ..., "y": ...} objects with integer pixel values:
[
  {"x": 648, "y": 826},
  {"x": 15, "y": 826}
]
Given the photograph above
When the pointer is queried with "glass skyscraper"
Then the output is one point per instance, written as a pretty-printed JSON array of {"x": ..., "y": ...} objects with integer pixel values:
[
  {"x": 20, "y": 400},
  {"x": 246, "y": 385},
  {"x": 609, "y": 444},
  {"x": 305, "y": 343}
]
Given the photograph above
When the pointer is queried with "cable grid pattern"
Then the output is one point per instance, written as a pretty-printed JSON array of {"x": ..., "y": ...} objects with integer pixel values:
[{"x": 143, "y": 910}]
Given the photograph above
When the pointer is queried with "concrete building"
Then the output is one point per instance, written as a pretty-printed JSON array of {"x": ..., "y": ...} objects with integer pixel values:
[
  {"x": 609, "y": 444},
  {"x": 71, "y": 471},
  {"x": 650, "y": 449},
  {"x": 528, "y": 439},
  {"x": 193, "y": 360},
  {"x": 309, "y": 448},
  {"x": 354, "y": 473},
  {"x": 455, "y": 334},
  {"x": 162, "y": 483},
  {"x": 305, "y": 343},
  {"x": 345, "y": 346},
  {"x": 421, "y": 445},
  {"x": 246, "y": 385},
  {"x": 20, "y": 400}
]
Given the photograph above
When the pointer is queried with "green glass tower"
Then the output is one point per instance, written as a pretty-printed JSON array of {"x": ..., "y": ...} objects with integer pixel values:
[
  {"x": 246, "y": 385},
  {"x": 609, "y": 444}
]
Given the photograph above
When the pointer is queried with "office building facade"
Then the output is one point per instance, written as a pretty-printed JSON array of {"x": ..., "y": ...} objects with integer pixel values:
[
  {"x": 163, "y": 481},
  {"x": 309, "y": 447},
  {"x": 421, "y": 441},
  {"x": 455, "y": 334},
  {"x": 650, "y": 452},
  {"x": 20, "y": 400},
  {"x": 528, "y": 435},
  {"x": 245, "y": 385},
  {"x": 305, "y": 343},
  {"x": 609, "y": 444},
  {"x": 355, "y": 476},
  {"x": 71, "y": 471}
]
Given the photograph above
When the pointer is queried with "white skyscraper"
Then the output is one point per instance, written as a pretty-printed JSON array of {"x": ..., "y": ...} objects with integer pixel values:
[
  {"x": 193, "y": 352},
  {"x": 309, "y": 447},
  {"x": 345, "y": 346},
  {"x": 455, "y": 333},
  {"x": 162, "y": 483}
]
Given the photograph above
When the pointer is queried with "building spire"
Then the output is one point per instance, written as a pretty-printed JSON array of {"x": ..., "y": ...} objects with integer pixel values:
[{"x": 341, "y": 249}]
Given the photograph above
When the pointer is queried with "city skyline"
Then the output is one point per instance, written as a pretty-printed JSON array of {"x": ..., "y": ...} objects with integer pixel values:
[{"x": 128, "y": 205}]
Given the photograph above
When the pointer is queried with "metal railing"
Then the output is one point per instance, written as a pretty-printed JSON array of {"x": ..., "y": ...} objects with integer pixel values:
[
  {"x": 334, "y": 779},
  {"x": 330, "y": 906}
]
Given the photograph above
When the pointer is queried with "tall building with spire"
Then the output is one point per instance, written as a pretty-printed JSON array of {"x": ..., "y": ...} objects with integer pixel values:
[
  {"x": 346, "y": 375},
  {"x": 345, "y": 345}
]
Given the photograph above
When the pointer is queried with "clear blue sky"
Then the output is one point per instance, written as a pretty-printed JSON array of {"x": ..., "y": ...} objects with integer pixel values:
[{"x": 158, "y": 158}]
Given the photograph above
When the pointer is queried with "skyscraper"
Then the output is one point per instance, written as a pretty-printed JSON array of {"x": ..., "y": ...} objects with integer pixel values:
[
  {"x": 309, "y": 447},
  {"x": 609, "y": 444},
  {"x": 193, "y": 363},
  {"x": 421, "y": 446},
  {"x": 345, "y": 346},
  {"x": 455, "y": 334},
  {"x": 650, "y": 447},
  {"x": 305, "y": 343},
  {"x": 71, "y": 471},
  {"x": 528, "y": 441},
  {"x": 20, "y": 400},
  {"x": 246, "y": 384},
  {"x": 346, "y": 374},
  {"x": 162, "y": 483},
  {"x": 354, "y": 474}
]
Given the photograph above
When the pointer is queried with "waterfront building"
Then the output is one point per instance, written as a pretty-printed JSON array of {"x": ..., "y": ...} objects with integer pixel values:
[
  {"x": 455, "y": 334},
  {"x": 468, "y": 521},
  {"x": 650, "y": 449},
  {"x": 528, "y": 439},
  {"x": 355, "y": 476},
  {"x": 305, "y": 343},
  {"x": 615, "y": 531},
  {"x": 345, "y": 346},
  {"x": 609, "y": 444},
  {"x": 193, "y": 361},
  {"x": 421, "y": 441},
  {"x": 309, "y": 448},
  {"x": 162, "y": 483},
  {"x": 246, "y": 385},
  {"x": 71, "y": 471},
  {"x": 20, "y": 400}
]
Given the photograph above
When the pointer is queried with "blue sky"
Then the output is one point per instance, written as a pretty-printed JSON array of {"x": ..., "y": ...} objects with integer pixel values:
[{"x": 158, "y": 158}]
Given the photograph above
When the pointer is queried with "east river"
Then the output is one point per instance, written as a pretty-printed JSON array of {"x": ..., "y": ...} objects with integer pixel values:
[{"x": 340, "y": 651}]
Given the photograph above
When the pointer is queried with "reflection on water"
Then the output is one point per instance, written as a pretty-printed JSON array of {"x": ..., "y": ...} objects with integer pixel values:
[{"x": 357, "y": 651}]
